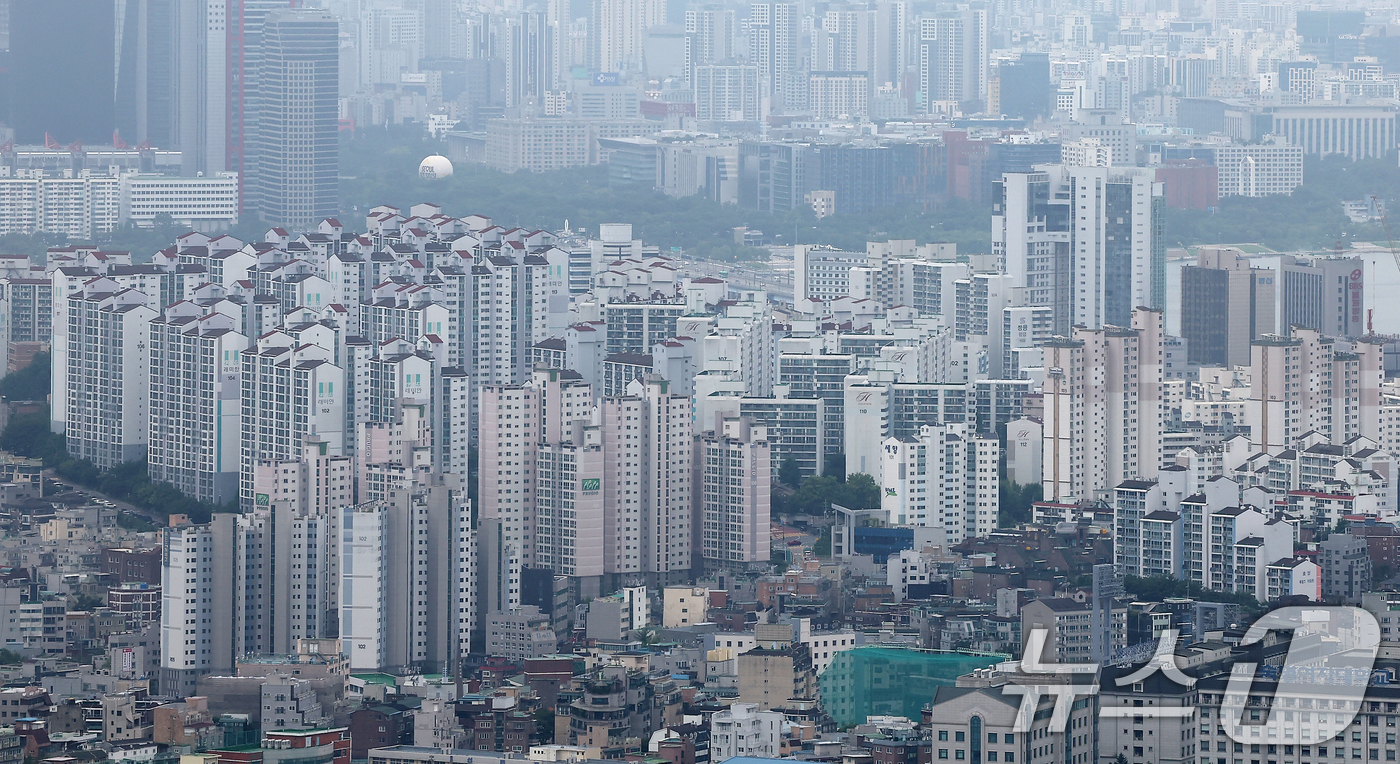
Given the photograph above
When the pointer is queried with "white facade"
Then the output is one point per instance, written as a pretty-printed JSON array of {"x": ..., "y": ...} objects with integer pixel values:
[
  {"x": 207, "y": 203},
  {"x": 407, "y": 577},
  {"x": 186, "y": 608},
  {"x": 1098, "y": 226},
  {"x": 87, "y": 205},
  {"x": 733, "y": 476},
  {"x": 107, "y": 374},
  {"x": 1103, "y": 416},
  {"x": 1259, "y": 170},
  {"x": 945, "y": 478},
  {"x": 195, "y": 393},
  {"x": 290, "y": 393},
  {"x": 741, "y": 341},
  {"x": 743, "y": 730},
  {"x": 727, "y": 93},
  {"x": 823, "y": 273},
  {"x": 838, "y": 95}
]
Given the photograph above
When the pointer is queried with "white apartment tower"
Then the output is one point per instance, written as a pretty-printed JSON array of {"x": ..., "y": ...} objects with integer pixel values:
[
  {"x": 303, "y": 495},
  {"x": 1084, "y": 241},
  {"x": 107, "y": 373},
  {"x": 509, "y": 435},
  {"x": 733, "y": 475},
  {"x": 196, "y": 361},
  {"x": 1103, "y": 409},
  {"x": 291, "y": 392},
  {"x": 1307, "y": 383},
  {"x": 1115, "y": 244},
  {"x": 408, "y": 577},
  {"x": 503, "y": 313},
  {"x": 648, "y": 440},
  {"x": 774, "y": 30},
  {"x": 214, "y": 604},
  {"x": 944, "y": 478},
  {"x": 619, "y": 31}
]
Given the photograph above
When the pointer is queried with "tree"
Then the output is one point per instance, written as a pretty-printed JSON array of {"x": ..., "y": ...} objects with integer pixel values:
[
  {"x": 859, "y": 492},
  {"x": 544, "y": 726},
  {"x": 1015, "y": 502},
  {"x": 789, "y": 473},
  {"x": 87, "y": 602},
  {"x": 815, "y": 495},
  {"x": 10, "y": 657},
  {"x": 30, "y": 383}
]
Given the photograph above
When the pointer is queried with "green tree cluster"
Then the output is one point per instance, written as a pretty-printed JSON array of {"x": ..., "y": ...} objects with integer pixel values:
[
  {"x": 816, "y": 494},
  {"x": 1158, "y": 588},
  {"x": 1016, "y": 501},
  {"x": 30, "y": 383},
  {"x": 28, "y": 435},
  {"x": 380, "y": 167}
]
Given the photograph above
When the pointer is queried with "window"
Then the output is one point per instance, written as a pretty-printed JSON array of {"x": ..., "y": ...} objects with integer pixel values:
[
  {"x": 959, "y": 736},
  {"x": 960, "y": 754},
  {"x": 943, "y": 734},
  {"x": 942, "y": 753}
]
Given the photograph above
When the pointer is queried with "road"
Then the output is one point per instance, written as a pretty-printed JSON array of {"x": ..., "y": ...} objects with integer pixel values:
[
  {"x": 65, "y": 485},
  {"x": 777, "y": 283}
]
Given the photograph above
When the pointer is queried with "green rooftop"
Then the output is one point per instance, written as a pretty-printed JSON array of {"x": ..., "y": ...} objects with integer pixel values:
[{"x": 892, "y": 681}]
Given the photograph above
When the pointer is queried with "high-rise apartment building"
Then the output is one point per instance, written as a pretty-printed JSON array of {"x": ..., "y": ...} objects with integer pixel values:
[
  {"x": 946, "y": 477},
  {"x": 954, "y": 51},
  {"x": 408, "y": 577},
  {"x": 774, "y": 29},
  {"x": 213, "y": 609},
  {"x": 291, "y": 392},
  {"x": 732, "y": 480},
  {"x": 1084, "y": 240},
  {"x": 714, "y": 31},
  {"x": 107, "y": 373},
  {"x": 599, "y": 487},
  {"x": 1103, "y": 407},
  {"x": 1225, "y": 306},
  {"x": 528, "y": 50},
  {"x": 1031, "y": 240},
  {"x": 619, "y": 30},
  {"x": 26, "y": 317},
  {"x": 844, "y": 40},
  {"x": 195, "y": 391},
  {"x": 302, "y": 496},
  {"x": 727, "y": 92},
  {"x": 298, "y": 143},
  {"x": 838, "y": 95},
  {"x": 1312, "y": 383}
]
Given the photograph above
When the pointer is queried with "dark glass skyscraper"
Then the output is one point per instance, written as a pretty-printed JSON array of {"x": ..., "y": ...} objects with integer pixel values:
[
  {"x": 297, "y": 145},
  {"x": 61, "y": 70},
  {"x": 1025, "y": 86}
]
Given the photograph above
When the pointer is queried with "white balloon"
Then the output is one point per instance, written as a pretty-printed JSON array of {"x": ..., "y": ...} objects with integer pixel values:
[{"x": 435, "y": 167}]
